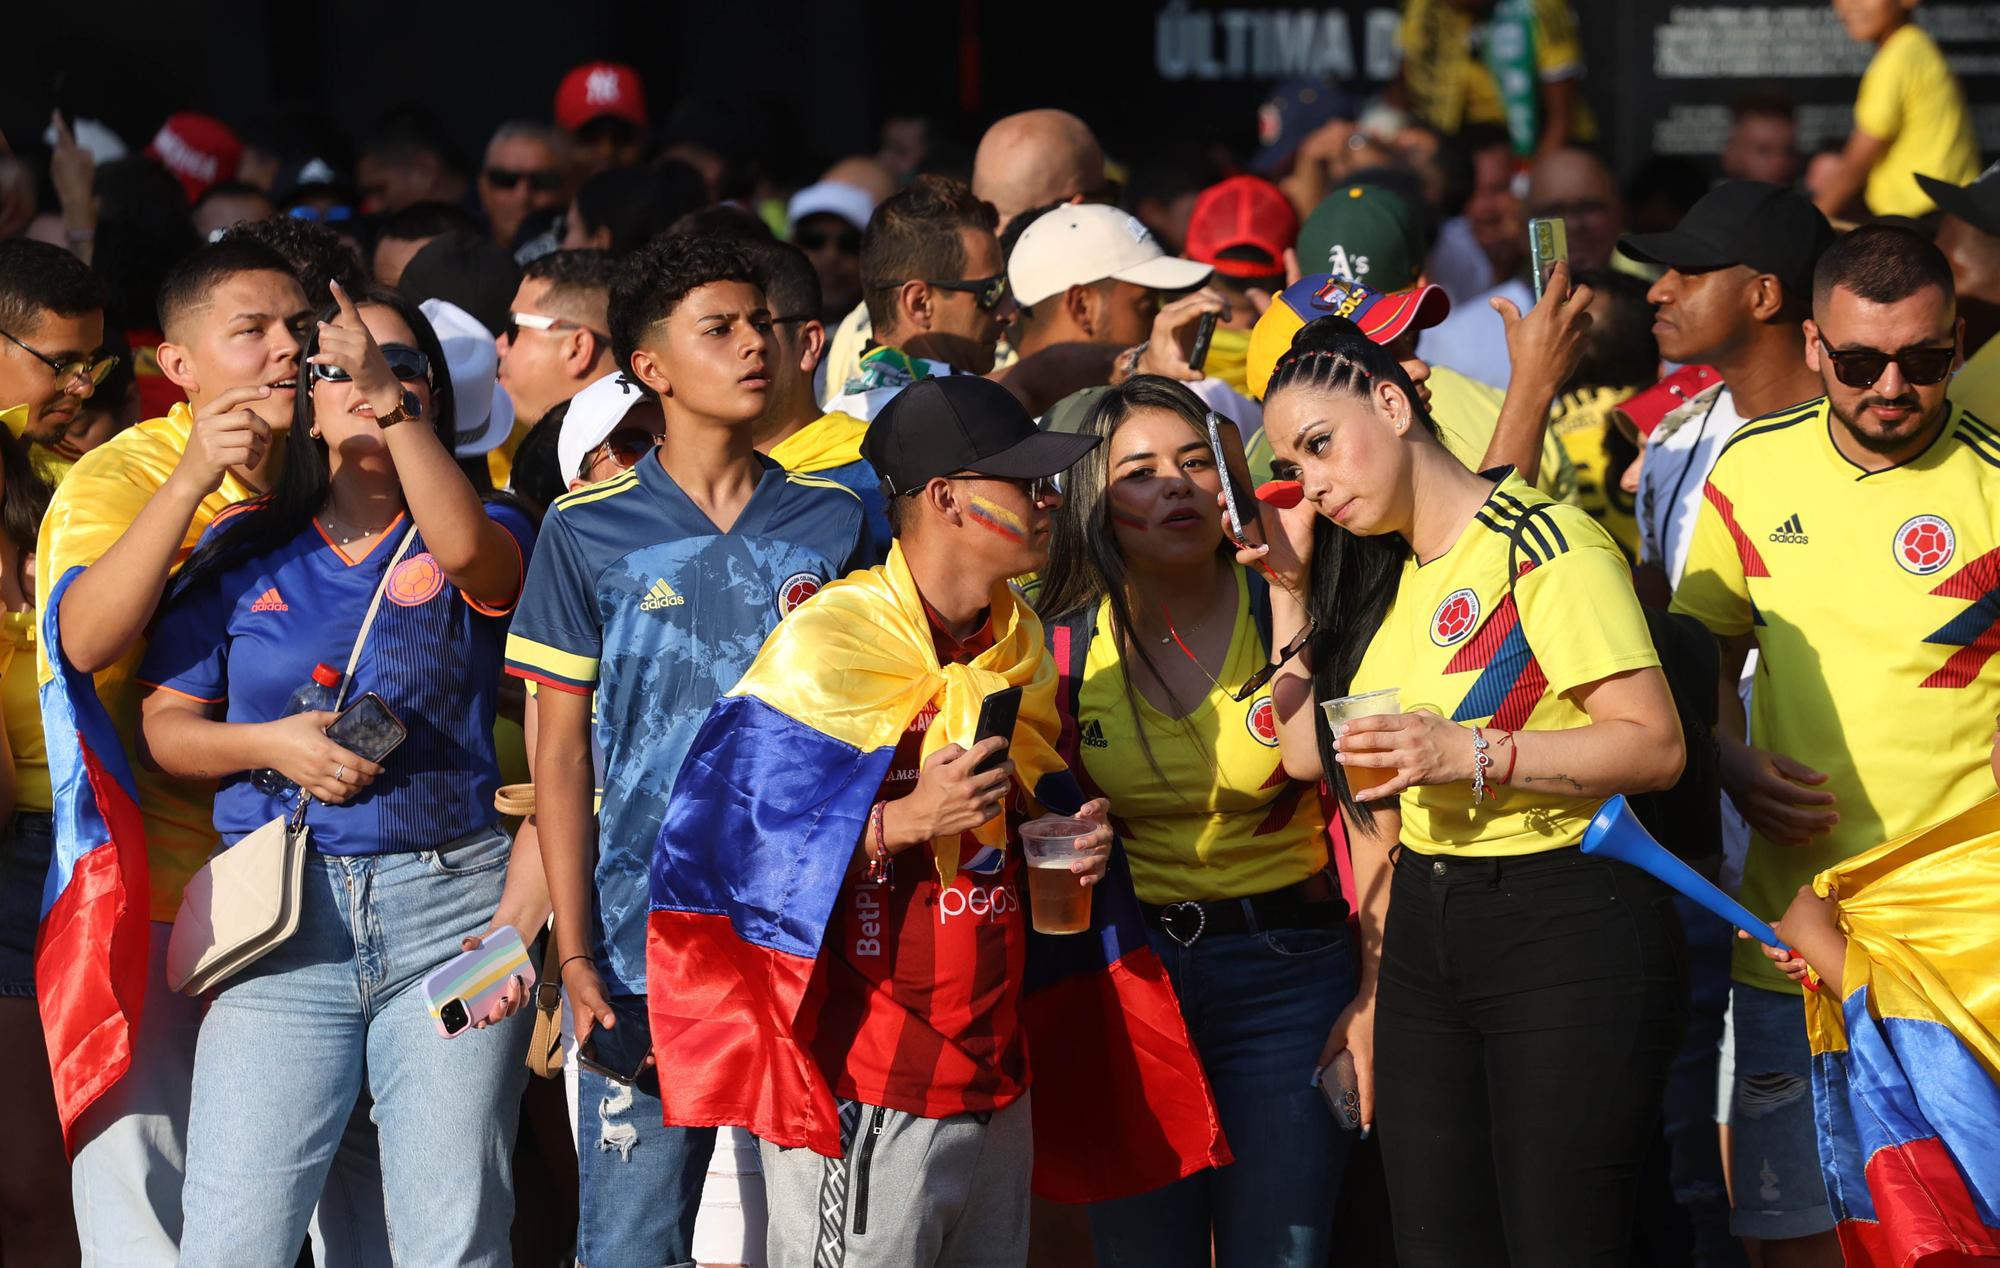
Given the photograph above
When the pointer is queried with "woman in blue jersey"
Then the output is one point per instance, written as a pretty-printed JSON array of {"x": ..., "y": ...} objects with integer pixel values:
[
  {"x": 406, "y": 857},
  {"x": 1156, "y": 629},
  {"x": 1527, "y": 998}
]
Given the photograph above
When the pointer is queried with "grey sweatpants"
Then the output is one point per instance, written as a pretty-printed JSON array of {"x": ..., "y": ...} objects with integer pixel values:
[{"x": 910, "y": 1192}]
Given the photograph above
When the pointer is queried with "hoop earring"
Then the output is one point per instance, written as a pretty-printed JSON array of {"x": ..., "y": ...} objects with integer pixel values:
[{"x": 313, "y": 431}]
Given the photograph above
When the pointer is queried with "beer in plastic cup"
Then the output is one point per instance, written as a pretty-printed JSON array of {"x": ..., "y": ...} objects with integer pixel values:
[
  {"x": 1059, "y": 900},
  {"x": 1366, "y": 705}
]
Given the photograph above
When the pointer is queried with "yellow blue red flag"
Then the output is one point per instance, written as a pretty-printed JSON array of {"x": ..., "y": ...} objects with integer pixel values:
[{"x": 1906, "y": 1066}]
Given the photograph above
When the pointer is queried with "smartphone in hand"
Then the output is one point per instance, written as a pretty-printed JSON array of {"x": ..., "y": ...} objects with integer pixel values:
[
  {"x": 464, "y": 989},
  {"x": 1342, "y": 1090},
  {"x": 367, "y": 728},
  {"x": 1204, "y": 334},
  {"x": 1548, "y": 246},
  {"x": 997, "y": 715}
]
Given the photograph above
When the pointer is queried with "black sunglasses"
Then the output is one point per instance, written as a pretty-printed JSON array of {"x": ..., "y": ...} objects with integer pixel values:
[
  {"x": 848, "y": 240},
  {"x": 95, "y": 368},
  {"x": 1270, "y": 671},
  {"x": 406, "y": 363},
  {"x": 1860, "y": 367},
  {"x": 987, "y": 292},
  {"x": 546, "y": 182}
]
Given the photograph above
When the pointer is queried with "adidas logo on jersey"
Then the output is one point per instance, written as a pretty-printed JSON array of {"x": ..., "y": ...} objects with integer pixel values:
[
  {"x": 270, "y": 602},
  {"x": 1790, "y": 533},
  {"x": 1093, "y": 734},
  {"x": 660, "y": 596}
]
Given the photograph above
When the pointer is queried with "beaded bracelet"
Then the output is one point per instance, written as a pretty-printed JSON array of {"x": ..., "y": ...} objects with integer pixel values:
[
  {"x": 881, "y": 864},
  {"x": 1481, "y": 759}
]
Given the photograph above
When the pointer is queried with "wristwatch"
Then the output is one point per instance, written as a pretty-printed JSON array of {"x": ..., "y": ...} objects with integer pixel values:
[{"x": 408, "y": 408}]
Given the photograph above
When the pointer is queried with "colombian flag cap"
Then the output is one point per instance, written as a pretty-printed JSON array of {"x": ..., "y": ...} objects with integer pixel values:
[{"x": 1383, "y": 318}]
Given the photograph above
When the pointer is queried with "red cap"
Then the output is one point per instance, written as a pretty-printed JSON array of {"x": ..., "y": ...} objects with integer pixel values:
[
  {"x": 202, "y": 151},
  {"x": 1243, "y": 211},
  {"x": 596, "y": 89},
  {"x": 326, "y": 675},
  {"x": 1648, "y": 408}
]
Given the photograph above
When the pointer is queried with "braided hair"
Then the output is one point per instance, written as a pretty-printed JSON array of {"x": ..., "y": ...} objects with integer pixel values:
[{"x": 1353, "y": 578}]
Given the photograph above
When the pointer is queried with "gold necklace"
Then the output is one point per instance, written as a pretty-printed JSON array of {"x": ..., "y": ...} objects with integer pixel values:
[{"x": 332, "y": 527}]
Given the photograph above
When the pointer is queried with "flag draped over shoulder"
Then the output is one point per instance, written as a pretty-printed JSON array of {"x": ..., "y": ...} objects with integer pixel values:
[
  {"x": 765, "y": 817},
  {"x": 1905, "y": 1065},
  {"x": 90, "y": 955}
]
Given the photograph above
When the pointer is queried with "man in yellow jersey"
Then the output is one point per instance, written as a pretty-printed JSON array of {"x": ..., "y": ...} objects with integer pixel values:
[
  {"x": 1481, "y": 425},
  {"x": 123, "y": 521},
  {"x": 1969, "y": 235},
  {"x": 555, "y": 344},
  {"x": 1910, "y": 117},
  {"x": 51, "y": 346},
  {"x": 1852, "y": 541}
]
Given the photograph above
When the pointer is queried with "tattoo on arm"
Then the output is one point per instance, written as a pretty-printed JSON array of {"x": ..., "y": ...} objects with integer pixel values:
[{"x": 1554, "y": 779}]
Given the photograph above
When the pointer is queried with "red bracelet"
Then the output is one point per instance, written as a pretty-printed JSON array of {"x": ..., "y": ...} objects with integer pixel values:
[
  {"x": 881, "y": 864},
  {"x": 1513, "y": 756}
]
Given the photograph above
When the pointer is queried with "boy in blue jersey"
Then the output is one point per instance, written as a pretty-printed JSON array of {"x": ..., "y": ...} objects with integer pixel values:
[{"x": 654, "y": 590}]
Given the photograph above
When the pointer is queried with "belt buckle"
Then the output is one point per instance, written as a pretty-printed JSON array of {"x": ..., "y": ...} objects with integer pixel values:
[{"x": 1173, "y": 915}]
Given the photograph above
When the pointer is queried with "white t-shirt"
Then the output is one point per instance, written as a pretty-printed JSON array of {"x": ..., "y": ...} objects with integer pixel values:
[
  {"x": 1473, "y": 340},
  {"x": 1679, "y": 455}
]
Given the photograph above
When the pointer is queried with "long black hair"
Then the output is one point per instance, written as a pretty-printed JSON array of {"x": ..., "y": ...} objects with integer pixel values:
[
  {"x": 304, "y": 475},
  {"x": 23, "y": 500},
  {"x": 1353, "y": 578},
  {"x": 1086, "y": 566}
]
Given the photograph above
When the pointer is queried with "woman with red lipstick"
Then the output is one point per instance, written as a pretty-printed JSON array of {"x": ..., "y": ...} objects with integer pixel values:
[
  {"x": 1156, "y": 631},
  {"x": 369, "y": 512},
  {"x": 1529, "y": 997}
]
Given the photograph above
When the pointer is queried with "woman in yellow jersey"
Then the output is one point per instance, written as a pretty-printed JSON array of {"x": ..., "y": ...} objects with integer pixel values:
[
  {"x": 1154, "y": 629},
  {"x": 1528, "y": 1000},
  {"x": 35, "y": 1220}
]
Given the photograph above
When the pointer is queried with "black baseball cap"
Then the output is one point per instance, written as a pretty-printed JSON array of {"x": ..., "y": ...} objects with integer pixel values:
[
  {"x": 470, "y": 272},
  {"x": 962, "y": 422},
  {"x": 1756, "y": 224},
  {"x": 1977, "y": 204}
]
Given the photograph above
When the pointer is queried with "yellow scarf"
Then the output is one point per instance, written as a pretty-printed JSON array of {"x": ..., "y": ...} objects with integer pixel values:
[
  {"x": 829, "y": 441},
  {"x": 858, "y": 663}
]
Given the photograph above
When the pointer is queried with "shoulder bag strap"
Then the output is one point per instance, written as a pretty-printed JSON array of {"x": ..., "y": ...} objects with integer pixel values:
[{"x": 354, "y": 656}]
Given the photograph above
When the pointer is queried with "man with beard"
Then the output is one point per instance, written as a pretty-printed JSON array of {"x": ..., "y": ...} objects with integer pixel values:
[{"x": 1851, "y": 541}]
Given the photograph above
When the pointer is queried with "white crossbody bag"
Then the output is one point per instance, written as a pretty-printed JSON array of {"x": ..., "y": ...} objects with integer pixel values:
[{"x": 245, "y": 902}]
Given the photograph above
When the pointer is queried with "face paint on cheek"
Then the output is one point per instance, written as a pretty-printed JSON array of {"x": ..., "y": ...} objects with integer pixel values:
[
  {"x": 1125, "y": 519},
  {"x": 997, "y": 519}
]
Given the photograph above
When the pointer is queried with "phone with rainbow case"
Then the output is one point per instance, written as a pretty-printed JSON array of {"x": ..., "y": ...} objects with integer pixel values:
[{"x": 463, "y": 990}]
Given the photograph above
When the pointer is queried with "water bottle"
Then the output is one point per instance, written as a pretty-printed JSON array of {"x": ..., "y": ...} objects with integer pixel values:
[{"x": 316, "y": 696}]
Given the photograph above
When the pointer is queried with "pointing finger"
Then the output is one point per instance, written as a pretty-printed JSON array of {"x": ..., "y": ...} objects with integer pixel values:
[{"x": 350, "y": 317}]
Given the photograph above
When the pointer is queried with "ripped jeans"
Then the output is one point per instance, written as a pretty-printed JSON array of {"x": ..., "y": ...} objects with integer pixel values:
[
  {"x": 1778, "y": 1189},
  {"x": 639, "y": 1181}
]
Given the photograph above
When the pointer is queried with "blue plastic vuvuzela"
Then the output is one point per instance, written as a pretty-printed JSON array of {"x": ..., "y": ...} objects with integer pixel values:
[{"x": 1617, "y": 833}]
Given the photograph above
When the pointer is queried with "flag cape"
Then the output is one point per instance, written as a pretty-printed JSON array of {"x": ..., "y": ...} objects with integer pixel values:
[
  {"x": 90, "y": 954},
  {"x": 1905, "y": 1065},
  {"x": 764, "y": 820}
]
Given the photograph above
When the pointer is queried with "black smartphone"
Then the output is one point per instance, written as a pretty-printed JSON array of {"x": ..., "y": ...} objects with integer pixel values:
[
  {"x": 619, "y": 1061},
  {"x": 1204, "y": 334},
  {"x": 368, "y": 729},
  {"x": 996, "y": 717}
]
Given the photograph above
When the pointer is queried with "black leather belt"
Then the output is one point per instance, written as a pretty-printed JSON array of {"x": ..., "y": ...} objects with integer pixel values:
[{"x": 1313, "y": 903}]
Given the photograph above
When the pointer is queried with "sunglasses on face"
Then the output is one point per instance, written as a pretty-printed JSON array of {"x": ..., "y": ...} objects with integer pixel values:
[
  {"x": 544, "y": 182},
  {"x": 95, "y": 368},
  {"x": 848, "y": 240},
  {"x": 987, "y": 292},
  {"x": 625, "y": 446},
  {"x": 1860, "y": 367},
  {"x": 406, "y": 363},
  {"x": 517, "y": 322}
]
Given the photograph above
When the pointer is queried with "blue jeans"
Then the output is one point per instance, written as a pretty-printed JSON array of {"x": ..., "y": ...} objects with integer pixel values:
[
  {"x": 26, "y": 845},
  {"x": 290, "y": 1044},
  {"x": 638, "y": 1180},
  {"x": 1779, "y": 1189},
  {"x": 1259, "y": 1007}
]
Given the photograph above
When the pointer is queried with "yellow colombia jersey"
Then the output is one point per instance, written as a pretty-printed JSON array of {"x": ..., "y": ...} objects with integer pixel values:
[
  {"x": 1218, "y": 819},
  {"x": 103, "y": 494},
  {"x": 1581, "y": 420},
  {"x": 1455, "y": 643},
  {"x": 1875, "y": 602},
  {"x": 1909, "y": 98}
]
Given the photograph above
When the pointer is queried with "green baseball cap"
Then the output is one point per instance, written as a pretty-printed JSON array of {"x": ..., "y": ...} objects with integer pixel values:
[{"x": 1367, "y": 234}]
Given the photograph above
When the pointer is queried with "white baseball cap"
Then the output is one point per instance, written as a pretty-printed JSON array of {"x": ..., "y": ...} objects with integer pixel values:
[
  {"x": 833, "y": 198},
  {"x": 594, "y": 413},
  {"x": 485, "y": 411},
  {"x": 1078, "y": 245}
]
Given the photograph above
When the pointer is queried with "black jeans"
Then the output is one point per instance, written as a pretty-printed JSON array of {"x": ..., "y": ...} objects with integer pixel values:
[{"x": 1529, "y": 1010}]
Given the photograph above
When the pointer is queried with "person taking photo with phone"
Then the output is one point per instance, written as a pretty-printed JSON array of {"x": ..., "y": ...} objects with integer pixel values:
[
  {"x": 1157, "y": 631},
  {"x": 406, "y": 856},
  {"x": 1529, "y": 998}
]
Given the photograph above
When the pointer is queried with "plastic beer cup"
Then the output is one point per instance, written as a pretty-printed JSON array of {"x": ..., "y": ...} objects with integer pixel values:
[
  {"x": 1057, "y": 896},
  {"x": 1366, "y": 705}
]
